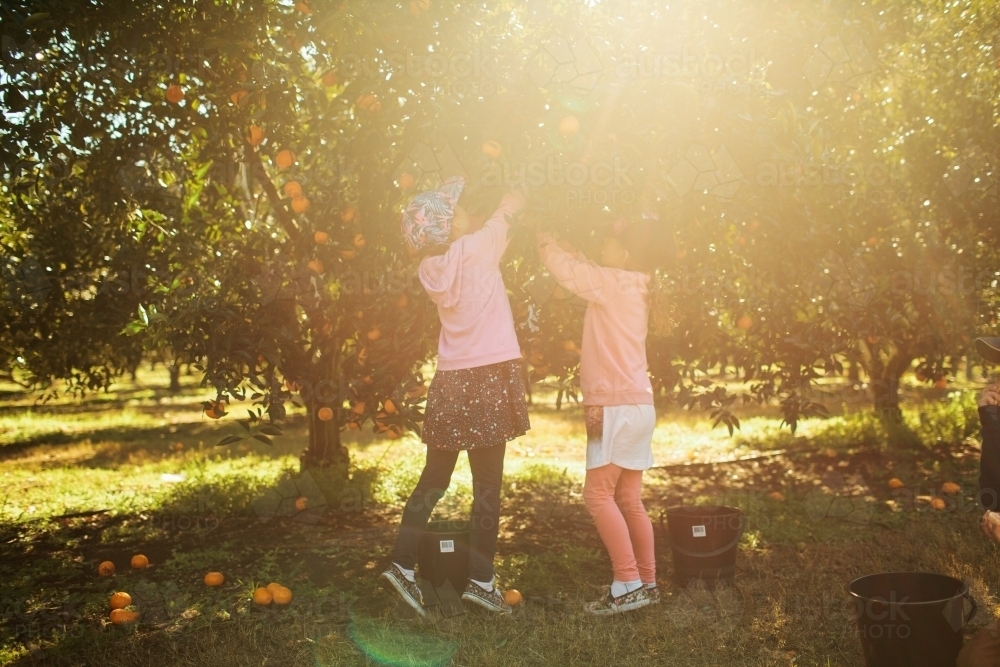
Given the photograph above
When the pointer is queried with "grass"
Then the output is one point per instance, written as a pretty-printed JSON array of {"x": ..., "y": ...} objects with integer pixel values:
[{"x": 136, "y": 471}]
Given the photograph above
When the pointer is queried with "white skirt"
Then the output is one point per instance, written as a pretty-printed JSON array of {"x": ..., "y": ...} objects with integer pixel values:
[{"x": 620, "y": 434}]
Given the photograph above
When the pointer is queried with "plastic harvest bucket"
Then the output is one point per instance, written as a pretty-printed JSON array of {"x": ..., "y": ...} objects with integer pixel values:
[
  {"x": 910, "y": 619},
  {"x": 703, "y": 541},
  {"x": 443, "y": 556}
]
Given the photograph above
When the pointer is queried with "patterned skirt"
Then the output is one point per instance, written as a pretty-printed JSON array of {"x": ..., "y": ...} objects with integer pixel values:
[{"x": 476, "y": 407}]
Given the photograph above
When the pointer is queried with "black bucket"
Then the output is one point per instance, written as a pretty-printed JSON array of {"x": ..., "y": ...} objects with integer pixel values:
[
  {"x": 443, "y": 562},
  {"x": 910, "y": 619},
  {"x": 703, "y": 540}
]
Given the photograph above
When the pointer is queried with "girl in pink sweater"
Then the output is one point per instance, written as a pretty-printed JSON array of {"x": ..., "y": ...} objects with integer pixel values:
[
  {"x": 476, "y": 401},
  {"x": 618, "y": 402}
]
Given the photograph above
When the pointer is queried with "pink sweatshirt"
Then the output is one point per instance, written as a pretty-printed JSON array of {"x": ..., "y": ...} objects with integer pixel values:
[
  {"x": 477, "y": 328},
  {"x": 613, "y": 356}
]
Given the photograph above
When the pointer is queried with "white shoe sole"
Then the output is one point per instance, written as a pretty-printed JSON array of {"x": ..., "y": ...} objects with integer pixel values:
[
  {"x": 631, "y": 606},
  {"x": 466, "y": 597},
  {"x": 403, "y": 593}
]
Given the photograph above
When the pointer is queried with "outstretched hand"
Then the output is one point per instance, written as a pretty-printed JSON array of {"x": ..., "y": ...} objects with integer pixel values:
[{"x": 990, "y": 396}]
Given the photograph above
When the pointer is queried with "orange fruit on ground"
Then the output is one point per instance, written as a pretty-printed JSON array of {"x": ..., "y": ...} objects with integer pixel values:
[
  {"x": 403, "y": 301},
  {"x": 776, "y": 495},
  {"x": 872, "y": 241},
  {"x": 284, "y": 159},
  {"x": 374, "y": 334},
  {"x": 329, "y": 79},
  {"x": 568, "y": 126},
  {"x": 390, "y": 407},
  {"x": 281, "y": 595},
  {"x": 938, "y": 503},
  {"x": 347, "y": 214},
  {"x": 174, "y": 93},
  {"x": 139, "y": 561},
  {"x": 950, "y": 488},
  {"x": 262, "y": 596},
  {"x": 569, "y": 346},
  {"x": 349, "y": 254},
  {"x": 292, "y": 189},
  {"x": 492, "y": 149},
  {"x": 941, "y": 384},
  {"x": 358, "y": 408},
  {"x": 321, "y": 237},
  {"x": 303, "y": 7},
  {"x": 359, "y": 240},
  {"x": 896, "y": 483},
  {"x": 255, "y": 135},
  {"x": 512, "y": 597},
  {"x": 273, "y": 586},
  {"x": 744, "y": 322},
  {"x": 124, "y": 616},
  {"x": 214, "y": 579},
  {"x": 120, "y": 600},
  {"x": 406, "y": 181},
  {"x": 238, "y": 96},
  {"x": 315, "y": 266},
  {"x": 324, "y": 414},
  {"x": 301, "y": 503},
  {"x": 300, "y": 204},
  {"x": 106, "y": 569}
]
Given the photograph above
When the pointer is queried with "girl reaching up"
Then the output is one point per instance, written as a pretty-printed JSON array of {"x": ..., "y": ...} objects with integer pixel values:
[
  {"x": 618, "y": 401},
  {"x": 476, "y": 401}
]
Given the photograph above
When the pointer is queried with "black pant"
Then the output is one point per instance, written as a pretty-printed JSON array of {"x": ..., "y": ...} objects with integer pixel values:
[
  {"x": 989, "y": 460},
  {"x": 487, "y": 475}
]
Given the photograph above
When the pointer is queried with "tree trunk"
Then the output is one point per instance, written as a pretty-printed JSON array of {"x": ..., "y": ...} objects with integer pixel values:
[
  {"x": 884, "y": 376},
  {"x": 325, "y": 450},
  {"x": 175, "y": 377}
]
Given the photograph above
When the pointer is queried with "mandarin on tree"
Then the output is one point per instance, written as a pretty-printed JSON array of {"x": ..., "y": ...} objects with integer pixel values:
[
  {"x": 950, "y": 488},
  {"x": 569, "y": 126},
  {"x": 292, "y": 189},
  {"x": 324, "y": 414},
  {"x": 174, "y": 93},
  {"x": 374, "y": 334},
  {"x": 284, "y": 159},
  {"x": 492, "y": 149},
  {"x": 329, "y": 79},
  {"x": 359, "y": 240},
  {"x": 350, "y": 253},
  {"x": 321, "y": 238},
  {"x": 406, "y": 181},
  {"x": 255, "y": 135},
  {"x": 315, "y": 265},
  {"x": 347, "y": 214},
  {"x": 300, "y": 204},
  {"x": 390, "y": 407}
]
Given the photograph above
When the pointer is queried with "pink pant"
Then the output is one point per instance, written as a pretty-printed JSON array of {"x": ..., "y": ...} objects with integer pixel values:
[{"x": 613, "y": 496}]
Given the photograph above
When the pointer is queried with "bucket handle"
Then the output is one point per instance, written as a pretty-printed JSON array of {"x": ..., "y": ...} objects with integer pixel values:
[
  {"x": 973, "y": 610},
  {"x": 717, "y": 552}
]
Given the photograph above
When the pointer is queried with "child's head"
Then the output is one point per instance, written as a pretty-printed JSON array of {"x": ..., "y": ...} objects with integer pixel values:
[
  {"x": 635, "y": 246},
  {"x": 430, "y": 216}
]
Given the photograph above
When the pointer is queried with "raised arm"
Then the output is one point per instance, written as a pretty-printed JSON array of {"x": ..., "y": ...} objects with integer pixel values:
[
  {"x": 491, "y": 241},
  {"x": 582, "y": 277}
]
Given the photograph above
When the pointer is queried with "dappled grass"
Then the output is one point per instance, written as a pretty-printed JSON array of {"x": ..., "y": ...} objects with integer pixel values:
[{"x": 161, "y": 488}]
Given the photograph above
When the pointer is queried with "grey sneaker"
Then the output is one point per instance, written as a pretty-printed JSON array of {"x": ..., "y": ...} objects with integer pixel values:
[
  {"x": 408, "y": 590},
  {"x": 609, "y": 605},
  {"x": 489, "y": 600}
]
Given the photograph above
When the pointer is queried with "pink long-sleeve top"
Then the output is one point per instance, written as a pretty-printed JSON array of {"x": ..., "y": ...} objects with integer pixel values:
[
  {"x": 477, "y": 328},
  {"x": 613, "y": 367}
]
